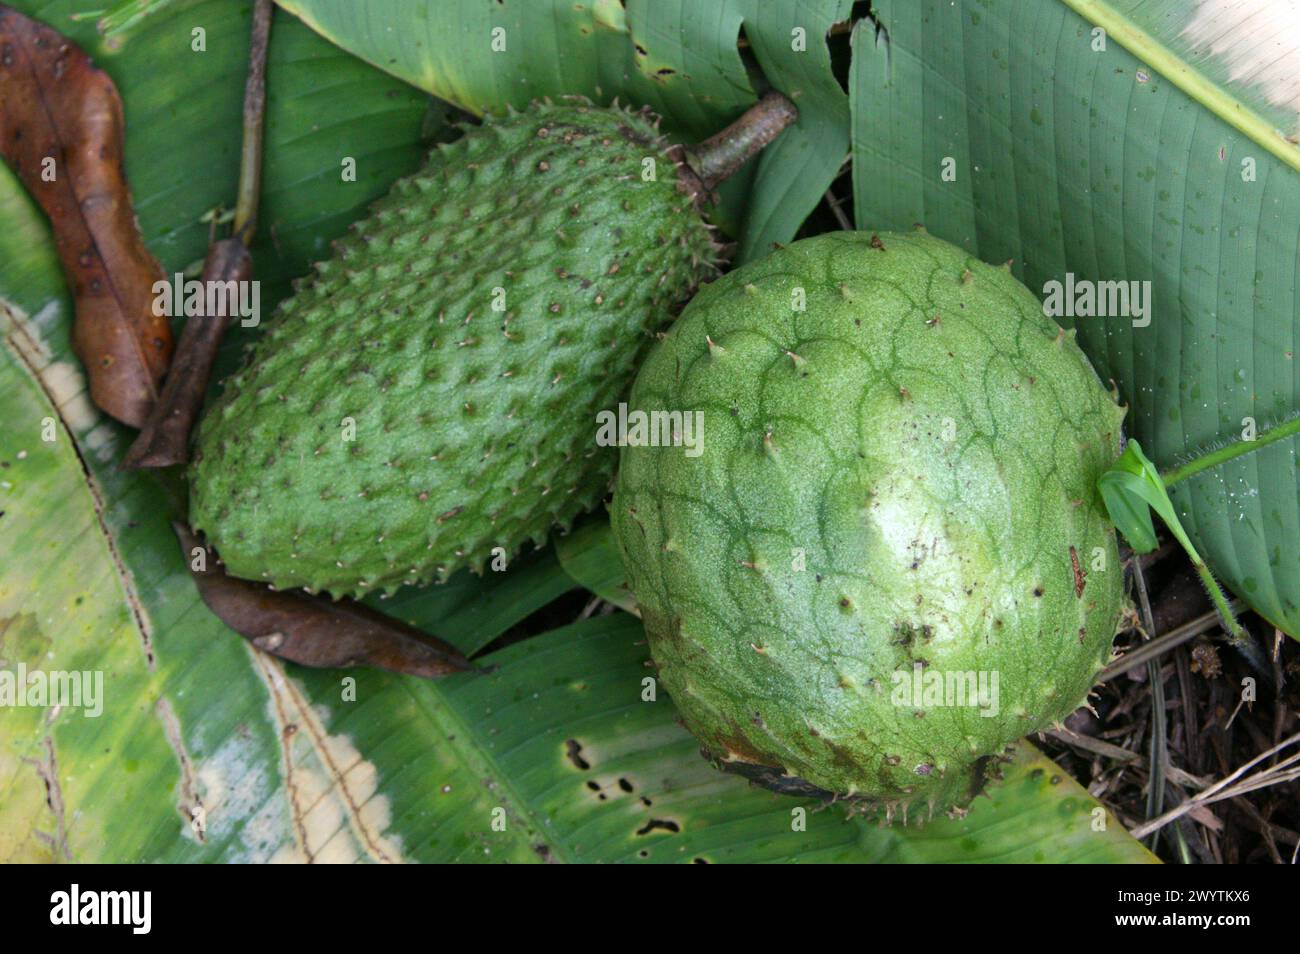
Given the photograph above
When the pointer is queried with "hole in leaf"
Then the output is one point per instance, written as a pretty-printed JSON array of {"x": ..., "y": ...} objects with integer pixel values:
[
  {"x": 573, "y": 749},
  {"x": 660, "y": 824}
]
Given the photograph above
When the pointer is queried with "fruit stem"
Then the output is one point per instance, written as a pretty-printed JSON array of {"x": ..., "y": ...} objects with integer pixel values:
[{"x": 719, "y": 156}]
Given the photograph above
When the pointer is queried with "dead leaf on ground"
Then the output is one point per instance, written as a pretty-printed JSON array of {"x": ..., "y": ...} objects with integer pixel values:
[
  {"x": 61, "y": 132},
  {"x": 315, "y": 631}
]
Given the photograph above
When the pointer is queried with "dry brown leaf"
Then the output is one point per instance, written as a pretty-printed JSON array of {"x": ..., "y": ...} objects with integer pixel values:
[
  {"x": 315, "y": 631},
  {"x": 61, "y": 132}
]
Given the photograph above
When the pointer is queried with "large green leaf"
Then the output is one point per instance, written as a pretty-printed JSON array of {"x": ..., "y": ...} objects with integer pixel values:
[
  {"x": 1161, "y": 157},
  {"x": 589, "y": 555},
  {"x": 556, "y": 754},
  {"x": 678, "y": 56},
  {"x": 207, "y": 750}
]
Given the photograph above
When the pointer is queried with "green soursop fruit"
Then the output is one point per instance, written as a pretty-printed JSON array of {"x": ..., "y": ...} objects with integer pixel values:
[
  {"x": 893, "y": 505},
  {"x": 429, "y": 394}
]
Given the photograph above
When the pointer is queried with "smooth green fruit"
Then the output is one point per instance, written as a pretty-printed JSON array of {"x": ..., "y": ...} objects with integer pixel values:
[
  {"x": 897, "y": 485},
  {"x": 429, "y": 394}
]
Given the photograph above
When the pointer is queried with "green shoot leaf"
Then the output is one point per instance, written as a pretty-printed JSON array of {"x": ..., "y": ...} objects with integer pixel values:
[{"x": 1131, "y": 489}]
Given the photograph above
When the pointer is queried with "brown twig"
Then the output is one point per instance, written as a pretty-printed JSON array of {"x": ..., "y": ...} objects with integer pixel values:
[
  {"x": 1094, "y": 746},
  {"x": 1159, "y": 746},
  {"x": 164, "y": 439},
  {"x": 838, "y": 212},
  {"x": 250, "y": 158},
  {"x": 1163, "y": 644},
  {"x": 1286, "y": 770}
]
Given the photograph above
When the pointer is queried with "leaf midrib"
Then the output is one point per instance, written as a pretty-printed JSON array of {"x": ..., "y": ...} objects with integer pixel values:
[{"x": 1172, "y": 67}]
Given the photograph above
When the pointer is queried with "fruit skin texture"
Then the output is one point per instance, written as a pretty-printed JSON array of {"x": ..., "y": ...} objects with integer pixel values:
[
  {"x": 471, "y": 326},
  {"x": 896, "y": 476}
]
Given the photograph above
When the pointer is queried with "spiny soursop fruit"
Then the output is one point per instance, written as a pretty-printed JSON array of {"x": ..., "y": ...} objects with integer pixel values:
[
  {"x": 896, "y": 492},
  {"x": 429, "y": 395}
]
